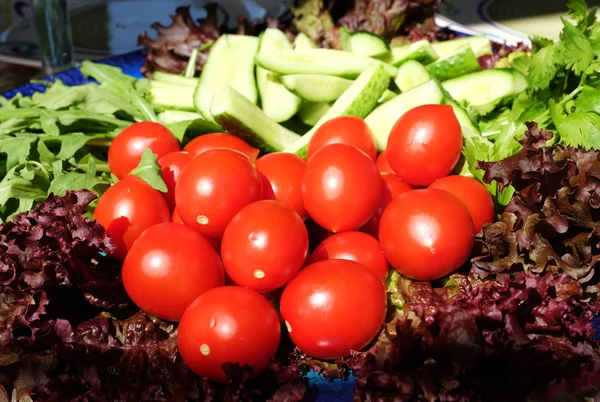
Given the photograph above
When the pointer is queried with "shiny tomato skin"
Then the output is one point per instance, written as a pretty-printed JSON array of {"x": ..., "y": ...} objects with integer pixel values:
[
  {"x": 349, "y": 130},
  {"x": 392, "y": 188},
  {"x": 168, "y": 267},
  {"x": 426, "y": 234},
  {"x": 382, "y": 163},
  {"x": 264, "y": 246},
  {"x": 125, "y": 151},
  {"x": 171, "y": 166},
  {"x": 214, "y": 187},
  {"x": 353, "y": 246},
  {"x": 228, "y": 324},
  {"x": 220, "y": 140},
  {"x": 341, "y": 188},
  {"x": 283, "y": 172},
  {"x": 473, "y": 194},
  {"x": 333, "y": 307},
  {"x": 127, "y": 209},
  {"x": 425, "y": 144}
]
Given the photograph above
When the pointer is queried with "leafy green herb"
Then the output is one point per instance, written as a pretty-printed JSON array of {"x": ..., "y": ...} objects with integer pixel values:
[{"x": 149, "y": 171}]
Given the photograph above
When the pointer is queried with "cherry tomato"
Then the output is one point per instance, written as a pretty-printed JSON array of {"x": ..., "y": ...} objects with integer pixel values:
[
  {"x": 353, "y": 246},
  {"x": 341, "y": 188},
  {"x": 349, "y": 130},
  {"x": 127, "y": 209},
  {"x": 264, "y": 246},
  {"x": 426, "y": 234},
  {"x": 382, "y": 163},
  {"x": 168, "y": 267},
  {"x": 215, "y": 186},
  {"x": 425, "y": 144},
  {"x": 283, "y": 172},
  {"x": 175, "y": 218},
  {"x": 392, "y": 188},
  {"x": 333, "y": 307},
  {"x": 473, "y": 194},
  {"x": 171, "y": 165},
  {"x": 220, "y": 140},
  {"x": 125, "y": 151},
  {"x": 228, "y": 325}
]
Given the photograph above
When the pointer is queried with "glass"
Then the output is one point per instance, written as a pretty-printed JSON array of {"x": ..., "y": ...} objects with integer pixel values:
[{"x": 54, "y": 35}]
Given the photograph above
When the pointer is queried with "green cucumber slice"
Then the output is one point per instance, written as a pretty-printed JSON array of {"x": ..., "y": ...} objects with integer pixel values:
[
  {"x": 461, "y": 62},
  {"x": 316, "y": 87},
  {"x": 174, "y": 79},
  {"x": 421, "y": 51},
  {"x": 411, "y": 74},
  {"x": 238, "y": 116},
  {"x": 358, "y": 100},
  {"x": 382, "y": 119},
  {"x": 276, "y": 101},
  {"x": 387, "y": 95},
  {"x": 320, "y": 61},
  {"x": 172, "y": 96},
  {"x": 486, "y": 86},
  {"x": 368, "y": 44},
  {"x": 199, "y": 124},
  {"x": 303, "y": 42},
  {"x": 480, "y": 45},
  {"x": 230, "y": 62},
  {"x": 311, "y": 112}
]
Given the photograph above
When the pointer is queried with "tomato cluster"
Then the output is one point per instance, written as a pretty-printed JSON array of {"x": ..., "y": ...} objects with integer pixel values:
[{"x": 233, "y": 232}]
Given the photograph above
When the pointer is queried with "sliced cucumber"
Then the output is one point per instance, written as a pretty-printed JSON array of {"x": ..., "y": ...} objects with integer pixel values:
[
  {"x": 303, "y": 42},
  {"x": 486, "y": 86},
  {"x": 358, "y": 100},
  {"x": 320, "y": 61},
  {"x": 421, "y": 51},
  {"x": 469, "y": 127},
  {"x": 316, "y": 87},
  {"x": 172, "y": 96},
  {"x": 411, "y": 74},
  {"x": 366, "y": 43},
  {"x": 174, "y": 79},
  {"x": 480, "y": 45},
  {"x": 199, "y": 124},
  {"x": 461, "y": 62},
  {"x": 387, "y": 95},
  {"x": 236, "y": 114},
  {"x": 230, "y": 62},
  {"x": 276, "y": 101},
  {"x": 311, "y": 112},
  {"x": 382, "y": 119}
]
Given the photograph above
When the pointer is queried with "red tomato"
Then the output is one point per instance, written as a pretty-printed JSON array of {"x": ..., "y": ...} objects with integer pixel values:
[
  {"x": 353, "y": 246},
  {"x": 382, "y": 163},
  {"x": 349, "y": 130},
  {"x": 333, "y": 307},
  {"x": 392, "y": 188},
  {"x": 175, "y": 218},
  {"x": 341, "y": 188},
  {"x": 425, "y": 144},
  {"x": 426, "y": 234},
  {"x": 215, "y": 186},
  {"x": 228, "y": 324},
  {"x": 171, "y": 165},
  {"x": 264, "y": 246},
  {"x": 220, "y": 140},
  {"x": 127, "y": 148},
  {"x": 473, "y": 194},
  {"x": 127, "y": 209},
  {"x": 283, "y": 172},
  {"x": 168, "y": 267}
]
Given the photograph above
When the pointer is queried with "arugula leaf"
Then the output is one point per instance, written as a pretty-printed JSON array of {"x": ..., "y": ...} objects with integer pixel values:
[
  {"x": 16, "y": 148},
  {"x": 74, "y": 181},
  {"x": 149, "y": 171}
]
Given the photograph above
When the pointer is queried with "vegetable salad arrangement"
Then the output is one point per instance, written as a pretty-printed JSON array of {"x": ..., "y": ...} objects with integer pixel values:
[{"x": 421, "y": 218}]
